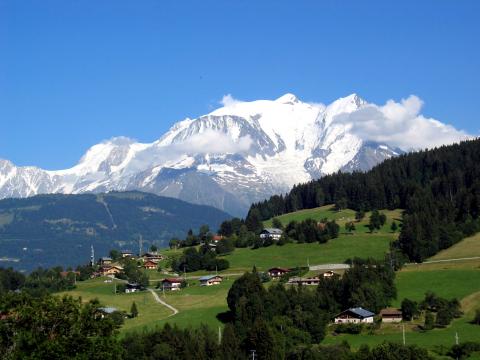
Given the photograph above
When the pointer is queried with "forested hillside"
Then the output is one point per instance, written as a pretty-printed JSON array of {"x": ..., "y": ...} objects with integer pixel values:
[
  {"x": 439, "y": 190},
  {"x": 50, "y": 230}
]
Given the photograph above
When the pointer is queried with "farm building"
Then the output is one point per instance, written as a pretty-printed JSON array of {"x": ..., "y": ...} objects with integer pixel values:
[
  {"x": 304, "y": 281},
  {"x": 217, "y": 238},
  {"x": 154, "y": 256},
  {"x": 150, "y": 265},
  {"x": 276, "y": 272},
  {"x": 110, "y": 270},
  {"x": 171, "y": 284},
  {"x": 127, "y": 253},
  {"x": 105, "y": 311},
  {"x": 210, "y": 280},
  {"x": 328, "y": 274},
  {"x": 105, "y": 260},
  {"x": 131, "y": 288},
  {"x": 391, "y": 315},
  {"x": 354, "y": 315},
  {"x": 271, "y": 233}
]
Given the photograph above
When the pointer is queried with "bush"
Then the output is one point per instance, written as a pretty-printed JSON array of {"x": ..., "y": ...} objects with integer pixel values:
[{"x": 349, "y": 328}]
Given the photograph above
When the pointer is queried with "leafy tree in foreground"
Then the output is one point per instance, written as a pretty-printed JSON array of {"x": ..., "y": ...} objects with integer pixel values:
[{"x": 55, "y": 328}]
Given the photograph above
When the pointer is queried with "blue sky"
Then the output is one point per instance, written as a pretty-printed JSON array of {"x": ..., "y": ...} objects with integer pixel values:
[{"x": 73, "y": 73}]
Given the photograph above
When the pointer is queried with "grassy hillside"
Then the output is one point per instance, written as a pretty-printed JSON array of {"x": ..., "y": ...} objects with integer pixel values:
[
  {"x": 360, "y": 243},
  {"x": 149, "y": 311},
  {"x": 456, "y": 279},
  {"x": 469, "y": 247},
  {"x": 460, "y": 279}
]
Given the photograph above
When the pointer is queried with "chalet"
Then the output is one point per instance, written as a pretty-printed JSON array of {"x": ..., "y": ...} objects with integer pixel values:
[
  {"x": 304, "y": 281},
  {"x": 276, "y": 272},
  {"x": 64, "y": 274},
  {"x": 127, "y": 253},
  {"x": 210, "y": 280},
  {"x": 328, "y": 274},
  {"x": 150, "y": 265},
  {"x": 271, "y": 233},
  {"x": 391, "y": 315},
  {"x": 105, "y": 260},
  {"x": 217, "y": 238},
  {"x": 172, "y": 284},
  {"x": 354, "y": 315},
  {"x": 110, "y": 270},
  {"x": 154, "y": 256},
  {"x": 105, "y": 311},
  {"x": 131, "y": 288}
]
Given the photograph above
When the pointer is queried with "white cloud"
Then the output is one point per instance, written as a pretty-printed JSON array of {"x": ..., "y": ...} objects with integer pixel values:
[
  {"x": 400, "y": 124},
  {"x": 229, "y": 100},
  {"x": 213, "y": 142}
]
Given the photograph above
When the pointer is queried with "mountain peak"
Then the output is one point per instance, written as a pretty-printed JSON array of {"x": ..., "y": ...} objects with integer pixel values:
[
  {"x": 354, "y": 99},
  {"x": 288, "y": 98}
]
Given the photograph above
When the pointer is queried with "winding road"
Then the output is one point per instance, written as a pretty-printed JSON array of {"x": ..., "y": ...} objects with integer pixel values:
[{"x": 160, "y": 301}]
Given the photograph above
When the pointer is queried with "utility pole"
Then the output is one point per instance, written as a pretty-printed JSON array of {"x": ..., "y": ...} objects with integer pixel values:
[
  {"x": 219, "y": 335},
  {"x": 253, "y": 354},
  {"x": 92, "y": 256},
  {"x": 308, "y": 263},
  {"x": 403, "y": 330},
  {"x": 456, "y": 338},
  {"x": 140, "y": 245}
]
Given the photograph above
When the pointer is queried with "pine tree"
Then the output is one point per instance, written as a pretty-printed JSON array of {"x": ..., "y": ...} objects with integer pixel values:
[
  {"x": 134, "y": 310},
  {"x": 394, "y": 227}
]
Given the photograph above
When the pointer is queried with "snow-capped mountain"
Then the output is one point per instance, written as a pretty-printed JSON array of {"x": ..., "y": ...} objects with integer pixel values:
[{"x": 237, "y": 154}]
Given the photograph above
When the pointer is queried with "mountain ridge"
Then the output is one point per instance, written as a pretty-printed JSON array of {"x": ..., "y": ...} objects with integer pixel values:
[
  {"x": 250, "y": 150},
  {"x": 59, "y": 229}
]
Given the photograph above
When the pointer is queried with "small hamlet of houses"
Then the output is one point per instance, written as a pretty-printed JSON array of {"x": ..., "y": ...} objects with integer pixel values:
[
  {"x": 356, "y": 315},
  {"x": 150, "y": 261}
]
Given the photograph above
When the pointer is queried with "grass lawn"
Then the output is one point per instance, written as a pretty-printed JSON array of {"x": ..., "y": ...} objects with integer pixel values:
[{"x": 290, "y": 255}]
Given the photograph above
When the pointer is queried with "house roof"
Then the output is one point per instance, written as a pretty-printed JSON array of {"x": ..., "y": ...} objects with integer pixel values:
[
  {"x": 152, "y": 254},
  {"x": 391, "y": 312},
  {"x": 274, "y": 231},
  {"x": 359, "y": 311},
  {"x": 279, "y": 268},
  {"x": 106, "y": 258},
  {"x": 133, "y": 285},
  {"x": 172, "y": 280},
  {"x": 108, "y": 310},
  {"x": 209, "y": 277}
]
